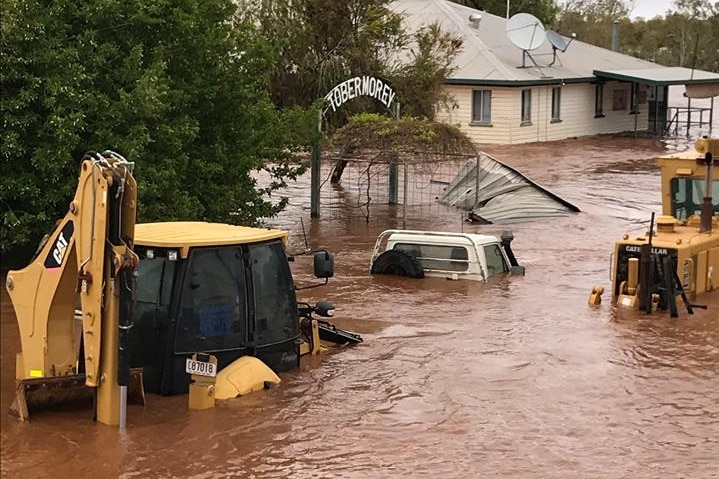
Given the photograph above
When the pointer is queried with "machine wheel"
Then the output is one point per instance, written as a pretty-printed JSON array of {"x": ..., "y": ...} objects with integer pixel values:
[{"x": 398, "y": 263}]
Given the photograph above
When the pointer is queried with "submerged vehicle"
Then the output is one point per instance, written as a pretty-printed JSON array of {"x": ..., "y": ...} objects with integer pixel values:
[
  {"x": 449, "y": 255},
  {"x": 680, "y": 258},
  {"x": 218, "y": 289},
  {"x": 156, "y": 303}
]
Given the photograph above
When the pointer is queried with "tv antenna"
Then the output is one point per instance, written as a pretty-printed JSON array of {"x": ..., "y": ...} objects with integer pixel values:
[
  {"x": 558, "y": 42},
  {"x": 527, "y": 33}
]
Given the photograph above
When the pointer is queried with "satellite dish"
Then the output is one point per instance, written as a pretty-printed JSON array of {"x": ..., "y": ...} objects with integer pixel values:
[
  {"x": 525, "y": 31},
  {"x": 558, "y": 42}
]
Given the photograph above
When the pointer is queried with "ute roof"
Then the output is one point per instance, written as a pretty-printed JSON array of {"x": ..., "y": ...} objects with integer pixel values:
[
  {"x": 187, "y": 234},
  {"x": 438, "y": 237}
]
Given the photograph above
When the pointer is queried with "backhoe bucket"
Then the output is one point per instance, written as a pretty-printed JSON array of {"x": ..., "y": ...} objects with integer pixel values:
[{"x": 41, "y": 393}]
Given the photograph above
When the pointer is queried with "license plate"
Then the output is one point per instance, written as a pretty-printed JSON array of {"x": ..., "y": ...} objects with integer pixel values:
[{"x": 200, "y": 368}]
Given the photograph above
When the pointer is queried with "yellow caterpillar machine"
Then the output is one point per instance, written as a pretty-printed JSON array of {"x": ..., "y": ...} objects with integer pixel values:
[
  {"x": 680, "y": 259},
  {"x": 106, "y": 304}
]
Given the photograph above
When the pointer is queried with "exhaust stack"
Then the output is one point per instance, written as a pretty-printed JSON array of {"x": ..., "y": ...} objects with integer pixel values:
[{"x": 708, "y": 147}]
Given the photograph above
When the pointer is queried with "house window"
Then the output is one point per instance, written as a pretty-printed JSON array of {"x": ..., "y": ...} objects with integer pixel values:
[
  {"x": 481, "y": 107},
  {"x": 620, "y": 99},
  {"x": 556, "y": 104},
  {"x": 599, "y": 100},
  {"x": 638, "y": 97},
  {"x": 526, "y": 107}
]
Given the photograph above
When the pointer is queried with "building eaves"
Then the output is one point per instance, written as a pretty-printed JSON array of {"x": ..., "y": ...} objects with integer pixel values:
[{"x": 488, "y": 57}]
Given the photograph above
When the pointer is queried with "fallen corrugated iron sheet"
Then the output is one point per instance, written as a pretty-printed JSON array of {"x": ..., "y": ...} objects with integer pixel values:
[{"x": 492, "y": 192}]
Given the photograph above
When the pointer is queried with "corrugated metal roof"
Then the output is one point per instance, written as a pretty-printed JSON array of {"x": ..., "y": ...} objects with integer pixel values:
[
  {"x": 660, "y": 75},
  {"x": 497, "y": 193},
  {"x": 488, "y": 57},
  {"x": 187, "y": 234}
]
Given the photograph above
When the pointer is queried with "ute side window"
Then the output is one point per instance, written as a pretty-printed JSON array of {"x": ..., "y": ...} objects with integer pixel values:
[
  {"x": 495, "y": 260},
  {"x": 213, "y": 314},
  {"x": 274, "y": 290},
  {"x": 437, "y": 257}
]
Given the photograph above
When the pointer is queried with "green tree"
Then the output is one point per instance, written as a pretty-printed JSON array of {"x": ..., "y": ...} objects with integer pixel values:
[
  {"x": 178, "y": 87},
  {"x": 592, "y": 20},
  {"x": 324, "y": 42},
  {"x": 419, "y": 78},
  {"x": 545, "y": 10},
  {"x": 686, "y": 36}
]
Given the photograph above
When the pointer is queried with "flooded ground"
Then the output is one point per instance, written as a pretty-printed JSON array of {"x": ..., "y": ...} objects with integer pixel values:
[{"x": 516, "y": 378}]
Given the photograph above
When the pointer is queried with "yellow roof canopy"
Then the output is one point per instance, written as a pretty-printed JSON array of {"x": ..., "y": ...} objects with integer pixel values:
[{"x": 184, "y": 235}]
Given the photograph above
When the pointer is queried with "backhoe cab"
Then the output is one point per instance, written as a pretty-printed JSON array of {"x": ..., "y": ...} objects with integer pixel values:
[
  {"x": 106, "y": 304},
  {"x": 218, "y": 289},
  {"x": 680, "y": 258}
]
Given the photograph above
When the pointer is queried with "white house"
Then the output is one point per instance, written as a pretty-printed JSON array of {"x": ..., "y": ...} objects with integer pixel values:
[{"x": 504, "y": 95}]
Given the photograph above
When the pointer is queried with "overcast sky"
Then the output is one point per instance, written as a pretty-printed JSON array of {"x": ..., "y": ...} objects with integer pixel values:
[{"x": 650, "y": 8}]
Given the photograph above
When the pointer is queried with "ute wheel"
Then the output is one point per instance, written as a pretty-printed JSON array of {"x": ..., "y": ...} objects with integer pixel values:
[{"x": 398, "y": 263}]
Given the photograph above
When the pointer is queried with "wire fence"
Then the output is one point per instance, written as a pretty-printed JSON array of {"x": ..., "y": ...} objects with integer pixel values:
[{"x": 360, "y": 188}]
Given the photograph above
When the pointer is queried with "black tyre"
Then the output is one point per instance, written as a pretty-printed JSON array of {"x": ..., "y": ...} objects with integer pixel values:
[{"x": 398, "y": 263}]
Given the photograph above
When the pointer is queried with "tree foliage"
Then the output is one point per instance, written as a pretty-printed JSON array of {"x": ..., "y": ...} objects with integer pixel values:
[
  {"x": 324, "y": 42},
  {"x": 419, "y": 139},
  {"x": 426, "y": 60},
  {"x": 686, "y": 36},
  {"x": 178, "y": 87}
]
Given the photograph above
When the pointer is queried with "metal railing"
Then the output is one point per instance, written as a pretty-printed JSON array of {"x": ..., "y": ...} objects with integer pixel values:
[{"x": 682, "y": 120}]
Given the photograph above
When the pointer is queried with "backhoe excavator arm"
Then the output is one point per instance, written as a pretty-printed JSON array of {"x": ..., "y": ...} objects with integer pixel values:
[{"x": 87, "y": 258}]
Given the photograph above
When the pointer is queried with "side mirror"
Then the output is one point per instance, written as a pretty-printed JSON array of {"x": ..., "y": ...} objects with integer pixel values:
[
  {"x": 324, "y": 308},
  {"x": 324, "y": 264}
]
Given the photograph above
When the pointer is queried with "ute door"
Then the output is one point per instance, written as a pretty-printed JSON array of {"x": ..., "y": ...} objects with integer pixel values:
[{"x": 496, "y": 260}]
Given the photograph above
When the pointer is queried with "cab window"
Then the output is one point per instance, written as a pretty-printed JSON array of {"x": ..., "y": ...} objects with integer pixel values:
[
  {"x": 688, "y": 195},
  {"x": 274, "y": 291},
  {"x": 213, "y": 316},
  {"x": 437, "y": 257},
  {"x": 496, "y": 263}
]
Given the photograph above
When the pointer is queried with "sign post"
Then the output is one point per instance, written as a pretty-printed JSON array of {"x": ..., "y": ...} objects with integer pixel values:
[{"x": 315, "y": 170}]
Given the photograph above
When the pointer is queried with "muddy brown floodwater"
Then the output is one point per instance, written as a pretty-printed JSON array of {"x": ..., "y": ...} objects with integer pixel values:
[{"x": 515, "y": 378}]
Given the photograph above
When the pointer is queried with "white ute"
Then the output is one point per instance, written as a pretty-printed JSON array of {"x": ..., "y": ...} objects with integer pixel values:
[{"x": 442, "y": 254}]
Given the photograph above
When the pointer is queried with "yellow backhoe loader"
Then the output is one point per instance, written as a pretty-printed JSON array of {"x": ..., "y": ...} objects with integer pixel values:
[{"x": 107, "y": 304}]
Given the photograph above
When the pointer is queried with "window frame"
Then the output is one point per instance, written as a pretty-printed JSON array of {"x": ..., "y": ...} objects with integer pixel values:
[
  {"x": 526, "y": 110},
  {"x": 599, "y": 100},
  {"x": 556, "y": 105},
  {"x": 478, "y": 112}
]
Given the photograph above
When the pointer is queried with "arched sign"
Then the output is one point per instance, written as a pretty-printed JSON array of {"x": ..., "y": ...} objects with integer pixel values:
[
  {"x": 338, "y": 96},
  {"x": 360, "y": 86}
]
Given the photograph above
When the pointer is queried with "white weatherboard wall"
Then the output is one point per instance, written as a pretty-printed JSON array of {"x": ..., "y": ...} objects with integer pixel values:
[{"x": 577, "y": 113}]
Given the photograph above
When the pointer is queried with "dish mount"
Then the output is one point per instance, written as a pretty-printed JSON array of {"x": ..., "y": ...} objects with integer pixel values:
[
  {"x": 558, "y": 42},
  {"x": 526, "y": 32}
]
